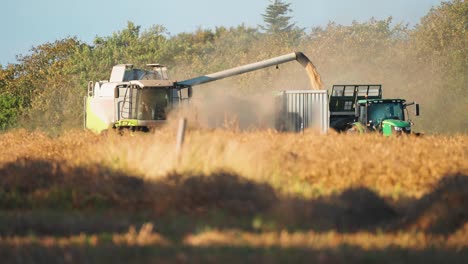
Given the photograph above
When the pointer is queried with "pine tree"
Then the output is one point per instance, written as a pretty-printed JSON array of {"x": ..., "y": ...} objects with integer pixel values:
[{"x": 276, "y": 19}]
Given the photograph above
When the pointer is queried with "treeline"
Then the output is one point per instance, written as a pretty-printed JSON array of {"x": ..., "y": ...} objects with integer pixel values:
[{"x": 427, "y": 64}]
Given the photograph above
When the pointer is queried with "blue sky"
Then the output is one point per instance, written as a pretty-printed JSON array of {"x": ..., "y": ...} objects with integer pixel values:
[{"x": 28, "y": 23}]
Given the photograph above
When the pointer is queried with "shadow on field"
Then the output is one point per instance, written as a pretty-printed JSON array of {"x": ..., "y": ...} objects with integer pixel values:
[
  {"x": 353, "y": 210},
  {"x": 29, "y": 184},
  {"x": 126, "y": 254},
  {"x": 181, "y": 203},
  {"x": 442, "y": 211}
]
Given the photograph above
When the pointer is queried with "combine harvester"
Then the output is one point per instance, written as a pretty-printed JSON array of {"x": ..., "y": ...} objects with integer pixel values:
[{"x": 140, "y": 99}]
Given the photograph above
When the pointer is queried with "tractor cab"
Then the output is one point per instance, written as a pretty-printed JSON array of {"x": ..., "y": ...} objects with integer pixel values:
[{"x": 388, "y": 116}]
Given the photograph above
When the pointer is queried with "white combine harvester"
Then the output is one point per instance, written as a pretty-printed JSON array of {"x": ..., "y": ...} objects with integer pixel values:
[{"x": 140, "y": 99}]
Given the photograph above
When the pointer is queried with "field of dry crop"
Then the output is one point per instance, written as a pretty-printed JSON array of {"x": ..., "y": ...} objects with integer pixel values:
[{"x": 233, "y": 197}]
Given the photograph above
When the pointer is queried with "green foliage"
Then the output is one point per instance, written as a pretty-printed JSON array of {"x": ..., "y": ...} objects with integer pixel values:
[
  {"x": 44, "y": 82},
  {"x": 440, "y": 43},
  {"x": 278, "y": 23},
  {"x": 10, "y": 107},
  {"x": 358, "y": 48},
  {"x": 276, "y": 18},
  {"x": 444, "y": 32},
  {"x": 427, "y": 64},
  {"x": 441, "y": 40}
]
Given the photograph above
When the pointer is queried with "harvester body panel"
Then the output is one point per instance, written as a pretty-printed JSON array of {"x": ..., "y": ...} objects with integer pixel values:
[{"x": 98, "y": 115}]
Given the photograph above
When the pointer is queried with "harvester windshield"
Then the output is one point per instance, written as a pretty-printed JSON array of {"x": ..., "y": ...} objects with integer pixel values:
[
  {"x": 152, "y": 104},
  {"x": 379, "y": 111}
]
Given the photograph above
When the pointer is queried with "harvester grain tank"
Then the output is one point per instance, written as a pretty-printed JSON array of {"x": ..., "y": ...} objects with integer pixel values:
[{"x": 140, "y": 99}]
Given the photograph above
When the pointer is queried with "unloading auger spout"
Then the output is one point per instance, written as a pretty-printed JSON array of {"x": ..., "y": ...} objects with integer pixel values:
[{"x": 314, "y": 77}]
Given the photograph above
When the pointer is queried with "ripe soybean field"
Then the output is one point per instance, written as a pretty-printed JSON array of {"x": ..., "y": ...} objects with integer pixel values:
[{"x": 232, "y": 197}]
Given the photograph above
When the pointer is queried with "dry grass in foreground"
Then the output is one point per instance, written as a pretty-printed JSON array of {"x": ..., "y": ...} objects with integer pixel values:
[
  {"x": 233, "y": 197},
  {"x": 307, "y": 165}
]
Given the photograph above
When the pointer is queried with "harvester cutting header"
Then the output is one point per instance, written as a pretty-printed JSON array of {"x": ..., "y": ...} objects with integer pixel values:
[{"x": 140, "y": 99}]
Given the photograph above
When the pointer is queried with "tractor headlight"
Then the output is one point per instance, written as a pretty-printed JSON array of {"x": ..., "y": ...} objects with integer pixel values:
[{"x": 398, "y": 129}]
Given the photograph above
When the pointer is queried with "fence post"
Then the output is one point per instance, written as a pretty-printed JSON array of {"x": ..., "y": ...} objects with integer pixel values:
[{"x": 180, "y": 136}]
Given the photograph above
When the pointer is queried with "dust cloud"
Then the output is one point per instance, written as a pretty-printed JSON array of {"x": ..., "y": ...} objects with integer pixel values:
[
  {"x": 213, "y": 107},
  {"x": 250, "y": 101}
]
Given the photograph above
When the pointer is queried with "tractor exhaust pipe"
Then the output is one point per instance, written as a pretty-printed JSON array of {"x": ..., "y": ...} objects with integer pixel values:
[{"x": 298, "y": 56}]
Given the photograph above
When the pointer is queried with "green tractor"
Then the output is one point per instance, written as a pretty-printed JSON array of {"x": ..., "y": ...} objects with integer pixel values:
[
  {"x": 387, "y": 116},
  {"x": 360, "y": 108}
]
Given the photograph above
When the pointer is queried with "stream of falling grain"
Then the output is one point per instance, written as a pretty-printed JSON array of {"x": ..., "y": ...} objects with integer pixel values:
[
  {"x": 312, "y": 73},
  {"x": 314, "y": 76}
]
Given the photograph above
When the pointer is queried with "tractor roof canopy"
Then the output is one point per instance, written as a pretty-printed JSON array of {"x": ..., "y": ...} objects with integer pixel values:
[{"x": 381, "y": 101}]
